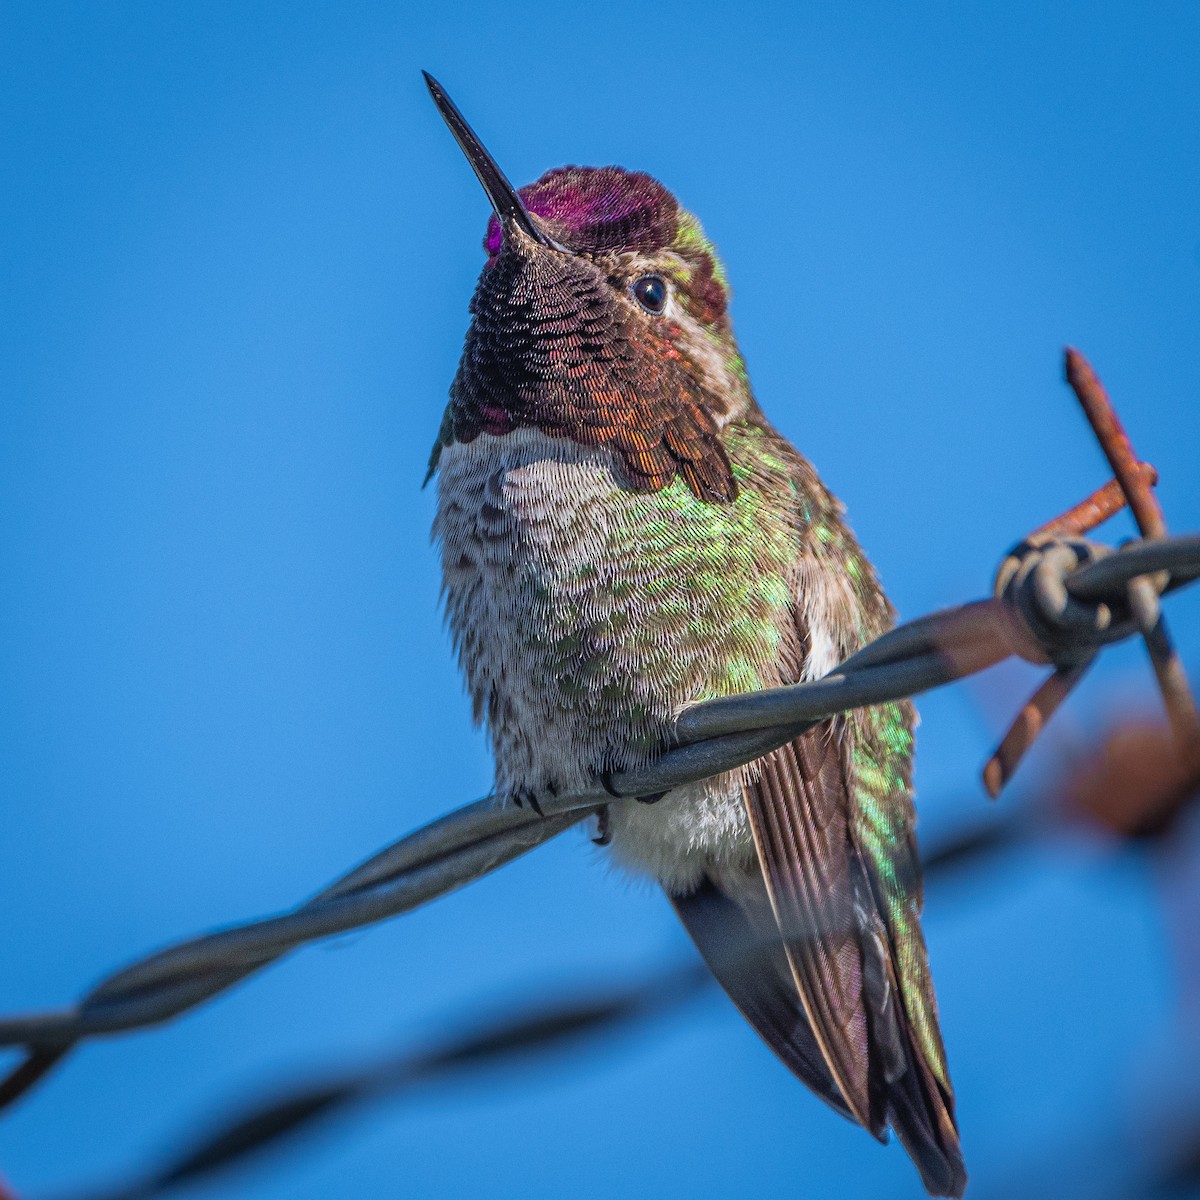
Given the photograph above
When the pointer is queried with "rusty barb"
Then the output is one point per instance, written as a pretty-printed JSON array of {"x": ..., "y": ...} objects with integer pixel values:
[
  {"x": 1040, "y": 564},
  {"x": 1059, "y": 599}
]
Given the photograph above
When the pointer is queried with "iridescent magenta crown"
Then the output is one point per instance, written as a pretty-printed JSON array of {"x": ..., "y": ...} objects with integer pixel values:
[{"x": 593, "y": 209}]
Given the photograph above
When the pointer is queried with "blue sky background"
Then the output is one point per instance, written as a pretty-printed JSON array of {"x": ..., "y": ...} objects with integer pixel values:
[{"x": 236, "y": 249}]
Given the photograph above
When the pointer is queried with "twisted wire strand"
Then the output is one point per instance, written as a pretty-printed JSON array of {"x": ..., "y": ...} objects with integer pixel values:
[
  {"x": 712, "y": 738},
  {"x": 514, "y": 1038},
  {"x": 244, "y": 1131}
]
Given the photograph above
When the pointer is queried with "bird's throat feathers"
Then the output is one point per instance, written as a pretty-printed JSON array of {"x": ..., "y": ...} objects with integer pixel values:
[{"x": 560, "y": 341}]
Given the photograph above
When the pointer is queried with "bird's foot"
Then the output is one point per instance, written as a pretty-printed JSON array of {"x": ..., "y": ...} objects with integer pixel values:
[
  {"x": 606, "y": 782},
  {"x": 603, "y": 828},
  {"x": 523, "y": 797}
]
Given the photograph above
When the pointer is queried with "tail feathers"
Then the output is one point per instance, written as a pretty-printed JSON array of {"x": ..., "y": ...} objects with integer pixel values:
[
  {"x": 923, "y": 1119},
  {"x": 905, "y": 1092},
  {"x": 755, "y": 974}
]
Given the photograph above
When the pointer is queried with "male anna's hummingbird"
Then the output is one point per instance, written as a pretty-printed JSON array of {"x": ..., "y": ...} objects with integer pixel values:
[{"x": 624, "y": 534}]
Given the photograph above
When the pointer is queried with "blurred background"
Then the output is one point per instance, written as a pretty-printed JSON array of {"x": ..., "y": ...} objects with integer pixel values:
[{"x": 237, "y": 246}]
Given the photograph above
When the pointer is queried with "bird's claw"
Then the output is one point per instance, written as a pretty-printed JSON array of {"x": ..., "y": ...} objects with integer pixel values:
[
  {"x": 527, "y": 796},
  {"x": 606, "y": 782},
  {"x": 603, "y": 828}
]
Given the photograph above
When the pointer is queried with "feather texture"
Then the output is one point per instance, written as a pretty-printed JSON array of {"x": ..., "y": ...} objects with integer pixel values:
[
  {"x": 799, "y": 813},
  {"x": 756, "y": 975},
  {"x": 847, "y": 963},
  {"x": 548, "y": 349},
  {"x": 623, "y": 534}
]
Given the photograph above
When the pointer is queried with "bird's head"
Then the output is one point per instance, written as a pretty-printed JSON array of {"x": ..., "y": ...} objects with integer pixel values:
[{"x": 601, "y": 316}]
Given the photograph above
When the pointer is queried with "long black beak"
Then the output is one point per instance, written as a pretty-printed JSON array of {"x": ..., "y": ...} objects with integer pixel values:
[{"x": 500, "y": 192}]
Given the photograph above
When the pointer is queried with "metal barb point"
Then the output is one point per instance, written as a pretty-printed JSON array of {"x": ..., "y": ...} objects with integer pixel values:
[
  {"x": 1131, "y": 486},
  {"x": 1148, "y": 513}
]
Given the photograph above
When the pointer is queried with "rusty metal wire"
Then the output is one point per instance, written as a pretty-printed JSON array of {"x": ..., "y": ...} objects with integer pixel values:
[{"x": 1059, "y": 600}]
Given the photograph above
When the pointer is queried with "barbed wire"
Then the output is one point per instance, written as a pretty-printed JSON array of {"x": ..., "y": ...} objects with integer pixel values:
[
  {"x": 592, "y": 1011},
  {"x": 1059, "y": 600},
  {"x": 1095, "y": 793}
]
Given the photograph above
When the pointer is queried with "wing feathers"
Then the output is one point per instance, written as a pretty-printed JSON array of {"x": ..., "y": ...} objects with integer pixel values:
[
  {"x": 842, "y": 956},
  {"x": 756, "y": 977},
  {"x": 800, "y": 829}
]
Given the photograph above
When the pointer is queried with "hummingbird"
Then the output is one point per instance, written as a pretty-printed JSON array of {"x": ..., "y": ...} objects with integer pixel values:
[{"x": 623, "y": 534}]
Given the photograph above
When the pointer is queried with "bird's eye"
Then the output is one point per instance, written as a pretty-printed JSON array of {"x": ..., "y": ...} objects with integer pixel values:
[{"x": 650, "y": 291}]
